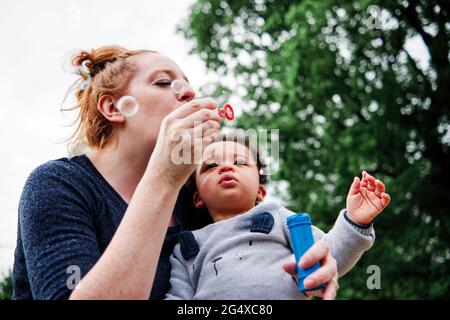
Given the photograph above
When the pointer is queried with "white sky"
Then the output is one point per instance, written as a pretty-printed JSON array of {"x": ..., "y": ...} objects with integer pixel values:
[{"x": 35, "y": 36}]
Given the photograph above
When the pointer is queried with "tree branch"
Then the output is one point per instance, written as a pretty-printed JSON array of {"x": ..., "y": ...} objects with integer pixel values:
[{"x": 412, "y": 17}]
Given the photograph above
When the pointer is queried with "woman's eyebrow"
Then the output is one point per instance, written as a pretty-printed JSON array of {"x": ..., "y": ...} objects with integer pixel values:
[{"x": 166, "y": 71}]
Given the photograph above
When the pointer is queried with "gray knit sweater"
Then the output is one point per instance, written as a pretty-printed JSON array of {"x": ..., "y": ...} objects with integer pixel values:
[{"x": 240, "y": 258}]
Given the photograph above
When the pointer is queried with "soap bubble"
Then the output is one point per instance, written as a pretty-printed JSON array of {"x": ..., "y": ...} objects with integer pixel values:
[
  {"x": 178, "y": 86},
  {"x": 66, "y": 61},
  {"x": 128, "y": 106},
  {"x": 84, "y": 84}
]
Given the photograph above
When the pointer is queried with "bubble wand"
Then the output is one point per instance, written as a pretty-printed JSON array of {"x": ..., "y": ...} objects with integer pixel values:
[{"x": 178, "y": 86}]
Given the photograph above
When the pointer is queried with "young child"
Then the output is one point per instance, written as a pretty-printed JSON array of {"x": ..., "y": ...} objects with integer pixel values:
[{"x": 240, "y": 255}]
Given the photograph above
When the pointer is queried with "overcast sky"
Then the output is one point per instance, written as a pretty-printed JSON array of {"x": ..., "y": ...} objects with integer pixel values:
[{"x": 35, "y": 36}]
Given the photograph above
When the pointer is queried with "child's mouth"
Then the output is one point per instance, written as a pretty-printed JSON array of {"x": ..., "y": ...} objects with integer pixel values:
[{"x": 228, "y": 181}]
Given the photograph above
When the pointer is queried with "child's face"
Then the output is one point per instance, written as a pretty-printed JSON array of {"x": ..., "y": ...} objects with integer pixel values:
[{"x": 228, "y": 179}]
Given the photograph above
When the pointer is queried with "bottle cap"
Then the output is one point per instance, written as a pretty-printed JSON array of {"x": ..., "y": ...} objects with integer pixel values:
[{"x": 298, "y": 219}]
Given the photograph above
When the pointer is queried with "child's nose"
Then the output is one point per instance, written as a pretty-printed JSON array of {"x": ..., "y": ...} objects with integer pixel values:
[{"x": 225, "y": 168}]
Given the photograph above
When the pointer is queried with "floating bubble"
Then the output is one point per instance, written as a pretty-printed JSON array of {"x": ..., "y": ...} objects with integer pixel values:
[
  {"x": 178, "y": 86},
  {"x": 66, "y": 61},
  {"x": 128, "y": 106},
  {"x": 86, "y": 64},
  {"x": 84, "y": 84}
]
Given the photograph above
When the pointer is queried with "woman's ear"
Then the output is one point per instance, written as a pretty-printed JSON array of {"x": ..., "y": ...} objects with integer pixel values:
[
  {"x": 107, "y": 107},
  {"x": 261, "y": 193},
  {"x": 198, "y": 202}
]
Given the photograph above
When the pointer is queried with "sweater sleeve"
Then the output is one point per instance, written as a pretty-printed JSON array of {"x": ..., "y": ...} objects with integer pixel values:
[
  {"x": 57, "y": 232},
  {"x": 346, "y": 241},
  {"x": 180, "y": 283}
]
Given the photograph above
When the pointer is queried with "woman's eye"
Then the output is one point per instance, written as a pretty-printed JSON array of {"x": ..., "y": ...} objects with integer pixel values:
[
  {"x": 239, "y": 162},
  {"x": 163, "y": 83}
]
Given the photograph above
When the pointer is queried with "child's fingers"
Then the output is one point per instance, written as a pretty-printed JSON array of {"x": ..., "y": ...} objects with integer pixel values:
[
  {"x": 379, "y": 188},
  {"x": 363, "y": 176},
  {"x": 371, "y": 185},
  {"x": 372, "y": 199},
  {"x": 385, "y": 199},
  {"x": 354, "y": 188},
  {"x": 370, "y": 177}
]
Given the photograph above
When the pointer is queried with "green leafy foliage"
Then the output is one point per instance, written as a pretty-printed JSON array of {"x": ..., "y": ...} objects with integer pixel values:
[
  {"x": 340, "y": 81},
  {"x": 6, "y": 289}
]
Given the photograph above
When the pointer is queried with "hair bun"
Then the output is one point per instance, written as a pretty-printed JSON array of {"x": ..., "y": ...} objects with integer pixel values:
[
  {"x": 95, "y": 60},
  {"x": 82, "y": 61},
  {"x": 79, "y": 58}
]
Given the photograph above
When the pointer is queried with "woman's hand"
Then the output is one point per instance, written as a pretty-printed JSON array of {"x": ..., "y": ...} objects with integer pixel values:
[
  {"x": 183, "y": 135},
  {"x": 366, "y": 199},
  {"x": 327, "y": 273}
]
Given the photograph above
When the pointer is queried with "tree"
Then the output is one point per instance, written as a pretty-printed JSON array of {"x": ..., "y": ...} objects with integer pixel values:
[
  {"x": 340, "y": 82},
  {"x": 6, "y": 289}
]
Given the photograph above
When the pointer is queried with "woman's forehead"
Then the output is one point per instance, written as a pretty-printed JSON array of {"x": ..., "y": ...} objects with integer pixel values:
[{"x": 150, "y": 63}]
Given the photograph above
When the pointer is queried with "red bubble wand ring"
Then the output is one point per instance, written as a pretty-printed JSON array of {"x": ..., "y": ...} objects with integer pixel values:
[{"x": 227, "y": 112}]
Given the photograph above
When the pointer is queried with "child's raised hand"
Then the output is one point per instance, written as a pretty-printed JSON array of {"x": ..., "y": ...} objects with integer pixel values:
[{"x": 366, "y": 199}]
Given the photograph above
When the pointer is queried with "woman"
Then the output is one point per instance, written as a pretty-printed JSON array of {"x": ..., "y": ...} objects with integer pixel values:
[{"x": 112, "y": 217}]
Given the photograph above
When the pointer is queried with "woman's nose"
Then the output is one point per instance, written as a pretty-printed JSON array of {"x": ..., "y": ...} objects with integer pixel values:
[{"x": 187, "y": 94}]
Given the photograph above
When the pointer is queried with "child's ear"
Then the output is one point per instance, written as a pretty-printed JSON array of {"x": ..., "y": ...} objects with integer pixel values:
[
  {"x": 198, "y": 202},
  {"x": 261, "y": 193}
]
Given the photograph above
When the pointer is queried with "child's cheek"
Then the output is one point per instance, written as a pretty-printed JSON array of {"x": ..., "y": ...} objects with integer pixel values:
[{"x": 208, "y": 187}]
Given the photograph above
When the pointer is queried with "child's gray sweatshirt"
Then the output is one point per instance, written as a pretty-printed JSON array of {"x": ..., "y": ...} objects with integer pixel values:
[{"x": 242, "y": 257}]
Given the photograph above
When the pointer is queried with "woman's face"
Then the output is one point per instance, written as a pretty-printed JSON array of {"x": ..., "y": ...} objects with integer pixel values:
[{"x": 150, "y": 86}]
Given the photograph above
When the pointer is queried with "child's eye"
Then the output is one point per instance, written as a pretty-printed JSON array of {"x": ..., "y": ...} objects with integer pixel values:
[
  {"x": 240, "y": 162},
  {"x": 211, "y": 165}
]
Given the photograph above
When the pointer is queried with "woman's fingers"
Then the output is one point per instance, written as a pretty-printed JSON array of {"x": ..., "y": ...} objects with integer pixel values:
[
  {"x": 317, "y": 252},
  {"x": 331, "y": 290},
  {"x": 324, "y": 274},
  {"x": 201, "y": 128},
  {"x": 193, "y": 106},
  {"x": 327, "y": 273},
  {"x": 198, "y": 117},
  {"x": 290, "y": 266},
  {"x": 314, "y": 293}
]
